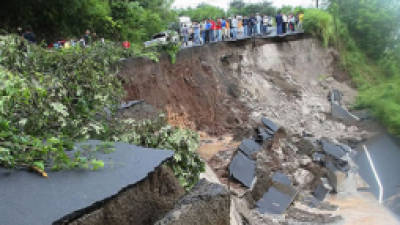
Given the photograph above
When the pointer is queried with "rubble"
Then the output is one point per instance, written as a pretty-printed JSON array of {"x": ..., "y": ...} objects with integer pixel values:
[
  {"x": 206, "y": 204},
  {"x": 322, "y": 190},
  {"x": 303, "y": 177}
]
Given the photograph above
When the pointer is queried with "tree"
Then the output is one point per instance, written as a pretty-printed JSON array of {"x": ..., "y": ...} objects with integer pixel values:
[{"x": 203, "y": 11}]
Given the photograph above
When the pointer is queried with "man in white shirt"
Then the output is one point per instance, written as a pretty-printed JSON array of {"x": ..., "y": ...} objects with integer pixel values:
[
  {"x": 259, "y": 20},
  {"x": 234, "y": 27}
]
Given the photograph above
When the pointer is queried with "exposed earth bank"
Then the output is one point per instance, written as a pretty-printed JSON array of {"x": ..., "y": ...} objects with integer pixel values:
[{"x": 224, "y": 89}]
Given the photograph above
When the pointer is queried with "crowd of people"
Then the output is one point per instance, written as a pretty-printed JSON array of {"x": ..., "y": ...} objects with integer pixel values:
[{"x": 237, "y": 27}]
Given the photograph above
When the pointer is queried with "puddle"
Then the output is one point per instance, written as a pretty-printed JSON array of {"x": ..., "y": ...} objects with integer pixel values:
[{"x": 210, "y": 146}]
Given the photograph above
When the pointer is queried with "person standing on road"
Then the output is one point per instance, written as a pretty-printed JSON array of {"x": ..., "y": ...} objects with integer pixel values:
[
  {"x": 228, "y": 30},
  {"x": 196, "y": 31},
  {"x": 245, "y": 26},
  {"x": 208, "y": 31},
  {"x": 185, "y": 33},
  {"x": 265, "y": 24},
  {"x": 223, "y": 25},
  {"x": 279, "y": 23},
  {"x": 203, "y": 31},
  {"x": 301, "y": 19},
  {"x": 292, "y": 22},
  {"x": 213, "y": 30},
  {"x": 219, "y": 30},
  {"x": 253, "y": 24},
  {"x": 284, "y": 24},
  {"x": 259, "y": 21},
  {"x": 234, "y": 27}
]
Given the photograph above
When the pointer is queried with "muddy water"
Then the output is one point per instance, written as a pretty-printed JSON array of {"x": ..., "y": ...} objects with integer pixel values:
[
  {"x": 210, "y": 146},
  {"x": 363, "y": 209}
]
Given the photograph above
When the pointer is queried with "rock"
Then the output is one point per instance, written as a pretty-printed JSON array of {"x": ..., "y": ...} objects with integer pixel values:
[
  {"x": 305, "y": 160},
  {"x": 322, "y": 190},
  {"x": 312, "y": 202},
  {"x": 307, "y": 146},
  {"x": 309, "y": 218},
  {"x": 319, "y": 157},
  {"x": 303, "y": 177},
  {"x": 337, "y": 177},
  {"x": 207, "y": 204}
]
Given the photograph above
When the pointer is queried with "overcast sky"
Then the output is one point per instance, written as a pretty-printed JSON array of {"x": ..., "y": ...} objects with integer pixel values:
[{"x": 224, "y": 3}]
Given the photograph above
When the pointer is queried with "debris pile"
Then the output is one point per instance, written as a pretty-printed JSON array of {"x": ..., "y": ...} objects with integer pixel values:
[{"x": 277, "y": 172}]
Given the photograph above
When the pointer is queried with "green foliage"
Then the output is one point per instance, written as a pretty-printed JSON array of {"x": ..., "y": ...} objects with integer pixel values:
[
  {"x": 239, "y": 7},
  {"x": 53, "y": 20},
  {"x": 375, "y": 71},
  {"x": 135, "y": 23},
  {"x": 373, "y": 24},
  {"x": 202, "y": 12},
  {"x": 320, "y": 24},
  {"x": 49, "y": 98},
  {"x": 186, "y": 164}
]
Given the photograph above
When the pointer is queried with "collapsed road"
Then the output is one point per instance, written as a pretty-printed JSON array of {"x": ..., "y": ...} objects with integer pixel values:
[
  {"x": 278, "y": 151},
  {"x": 252, "y": 97}
]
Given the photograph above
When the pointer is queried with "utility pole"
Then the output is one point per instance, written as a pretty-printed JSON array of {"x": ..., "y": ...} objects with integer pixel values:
[{"x": 317, "y": 3}]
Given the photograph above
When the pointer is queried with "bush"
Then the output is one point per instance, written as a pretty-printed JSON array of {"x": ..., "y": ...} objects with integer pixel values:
[
  {"x": 50, "y": 99},
  {"x": 320, "y": 24},
  {"x": 186, "y": 164}
]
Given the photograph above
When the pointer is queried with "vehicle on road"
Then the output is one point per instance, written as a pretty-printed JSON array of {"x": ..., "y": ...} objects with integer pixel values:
[{"x": 163, "y": 38}]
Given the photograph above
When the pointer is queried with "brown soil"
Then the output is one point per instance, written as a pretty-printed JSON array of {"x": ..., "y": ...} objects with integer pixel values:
[{"x": 194, "y": 92}]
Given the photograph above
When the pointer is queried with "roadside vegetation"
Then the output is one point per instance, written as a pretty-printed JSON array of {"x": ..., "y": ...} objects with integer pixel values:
[
  {"x": 51, "y": 99},
  {"x": 366, "y": 35}
]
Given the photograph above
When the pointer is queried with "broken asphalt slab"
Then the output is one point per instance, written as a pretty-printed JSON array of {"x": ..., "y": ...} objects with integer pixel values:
[
  {"x": 339, "y": 112},
  {"x": 249, "y": 147},
  {"x": 275, "y": 201},
  {"x": 27, "y": 199},
  {"x": 270, "y": 125},
  {"x": 279, "y": 196},
  {"x": 333, "y": 150},
  {"x": 243, "y": 169}
]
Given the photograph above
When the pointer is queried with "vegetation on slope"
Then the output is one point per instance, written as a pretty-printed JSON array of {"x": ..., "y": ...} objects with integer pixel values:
[{"x": 367, "y": 40}]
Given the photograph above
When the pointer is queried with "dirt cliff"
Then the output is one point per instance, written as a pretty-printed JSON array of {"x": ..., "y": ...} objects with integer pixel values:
[{"x": 223, "y": 87}]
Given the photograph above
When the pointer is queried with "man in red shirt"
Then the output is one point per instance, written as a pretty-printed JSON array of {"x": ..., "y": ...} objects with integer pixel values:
[
  {"x": 219, "y": 30},
  {"x": 213, "y": 30}
]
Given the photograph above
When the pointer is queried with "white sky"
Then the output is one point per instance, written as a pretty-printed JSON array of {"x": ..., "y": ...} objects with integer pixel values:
[{"x": 224, "y": 3}]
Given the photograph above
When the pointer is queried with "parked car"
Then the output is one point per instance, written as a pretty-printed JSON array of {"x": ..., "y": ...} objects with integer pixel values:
[{"x": 163, "y": 38}]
